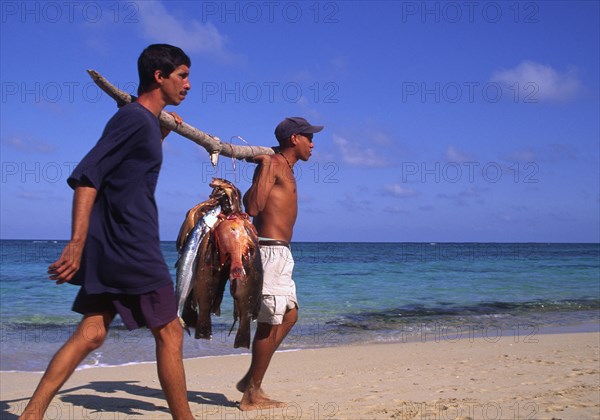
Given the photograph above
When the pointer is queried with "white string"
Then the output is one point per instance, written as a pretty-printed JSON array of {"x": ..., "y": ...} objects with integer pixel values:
[{"x": 233, "y": 159}]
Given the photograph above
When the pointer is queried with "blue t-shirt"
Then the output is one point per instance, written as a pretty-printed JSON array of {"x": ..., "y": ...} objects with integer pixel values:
[{"x": 122, "y": 251}]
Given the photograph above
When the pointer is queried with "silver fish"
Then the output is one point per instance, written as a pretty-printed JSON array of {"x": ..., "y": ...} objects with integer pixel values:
[{"x": 188, "y": 257}]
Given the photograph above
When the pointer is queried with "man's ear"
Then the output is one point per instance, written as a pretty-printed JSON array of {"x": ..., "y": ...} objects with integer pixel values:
[
  {"x": 158, "y": 76},
  {"x": 293, "y": 139}
]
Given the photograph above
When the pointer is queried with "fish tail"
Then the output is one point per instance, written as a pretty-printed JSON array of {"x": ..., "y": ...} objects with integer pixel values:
[
  {"x": 185, "y": 327},
  {"x": 242, "y": 338},
  {"x": 232, "y": 325}
]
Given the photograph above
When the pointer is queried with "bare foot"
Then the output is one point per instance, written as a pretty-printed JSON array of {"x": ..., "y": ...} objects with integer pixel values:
[
  {"x": 256, "y": 399},
  {"x": 261, "y": 405}
]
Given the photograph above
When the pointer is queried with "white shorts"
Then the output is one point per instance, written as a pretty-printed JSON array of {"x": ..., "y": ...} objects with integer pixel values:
[
  {"x": 279, "y": 289},
  {"x": 273, "y": 308}
]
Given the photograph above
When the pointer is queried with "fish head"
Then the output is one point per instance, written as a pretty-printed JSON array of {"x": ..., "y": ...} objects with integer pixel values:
[{"x": 229, "y": 196}]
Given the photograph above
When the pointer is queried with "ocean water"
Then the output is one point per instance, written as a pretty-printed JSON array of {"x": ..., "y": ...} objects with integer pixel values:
[{"x": 348, "y": 293}]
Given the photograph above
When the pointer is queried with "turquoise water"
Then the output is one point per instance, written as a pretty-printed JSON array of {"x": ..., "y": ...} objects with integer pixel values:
[{"x": 348, "y": 293}]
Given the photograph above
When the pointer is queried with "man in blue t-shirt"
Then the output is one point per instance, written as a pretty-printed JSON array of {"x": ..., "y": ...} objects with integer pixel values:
[{"x": 114, "y": 252}]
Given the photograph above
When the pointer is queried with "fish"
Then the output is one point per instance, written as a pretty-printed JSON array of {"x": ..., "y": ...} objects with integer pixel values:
[
  {"x": 192, "y": 218},
  {"x": 239, "y": 255},
  {"x": 187, "y": 261},
  {"x": 219, "y": 243}
]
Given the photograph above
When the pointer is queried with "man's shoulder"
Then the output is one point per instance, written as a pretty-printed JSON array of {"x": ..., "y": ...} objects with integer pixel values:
[
  {"x": 135, "y": 111},
  {"x": 133, "y": 116},
  {"x": 279, "y": 163},
  {"x": 131, "y": 121}
]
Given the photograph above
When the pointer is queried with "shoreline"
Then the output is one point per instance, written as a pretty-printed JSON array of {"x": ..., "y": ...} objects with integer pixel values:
[
  {"x": 555, "y": 375},
  {"x": 451, "y": 335}
]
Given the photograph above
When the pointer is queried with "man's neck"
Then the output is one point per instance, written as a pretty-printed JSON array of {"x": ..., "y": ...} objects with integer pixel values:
[
  {"x": 152, "y": 101},
  {"x": 289, "y": 157}
]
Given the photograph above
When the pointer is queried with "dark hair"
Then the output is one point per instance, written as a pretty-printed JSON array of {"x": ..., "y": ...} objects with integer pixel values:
[{"x": 163, "y": 57}]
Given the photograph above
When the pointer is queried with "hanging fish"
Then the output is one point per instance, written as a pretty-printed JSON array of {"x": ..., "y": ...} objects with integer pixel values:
[{"x": 217, "y": 242}]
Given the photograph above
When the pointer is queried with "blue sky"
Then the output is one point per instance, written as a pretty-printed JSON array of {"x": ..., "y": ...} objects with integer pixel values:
[{"x": 445, "y": 121}]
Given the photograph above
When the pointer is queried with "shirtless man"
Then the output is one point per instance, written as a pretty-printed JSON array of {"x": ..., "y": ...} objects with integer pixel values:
[{"x": 272, "y": 201}]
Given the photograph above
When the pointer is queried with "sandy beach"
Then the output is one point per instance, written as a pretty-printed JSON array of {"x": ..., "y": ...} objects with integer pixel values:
[{"x": 546, "y": 376}]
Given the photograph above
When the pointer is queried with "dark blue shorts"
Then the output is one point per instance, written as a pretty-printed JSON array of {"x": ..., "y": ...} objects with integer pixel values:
[{"x": 153, "y": 309}]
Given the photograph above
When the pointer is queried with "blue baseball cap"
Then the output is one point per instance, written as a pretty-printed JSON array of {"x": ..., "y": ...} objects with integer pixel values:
[{"x": 294, "y": 125}]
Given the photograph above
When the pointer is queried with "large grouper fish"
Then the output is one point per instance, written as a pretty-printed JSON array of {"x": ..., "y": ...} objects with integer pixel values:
[{"x": 218, "y": 242}]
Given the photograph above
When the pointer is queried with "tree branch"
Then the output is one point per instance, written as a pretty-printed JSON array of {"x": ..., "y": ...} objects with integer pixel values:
[{"x": 213, "y": 145}]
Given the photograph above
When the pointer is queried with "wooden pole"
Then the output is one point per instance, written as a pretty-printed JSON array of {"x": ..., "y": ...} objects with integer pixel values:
[{"x": 213, "y": 145}]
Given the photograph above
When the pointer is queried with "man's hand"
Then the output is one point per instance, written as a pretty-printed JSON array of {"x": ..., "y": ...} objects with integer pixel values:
[
  {"x": 68, "y": 264},
  {"x": 165, "y": 131}
]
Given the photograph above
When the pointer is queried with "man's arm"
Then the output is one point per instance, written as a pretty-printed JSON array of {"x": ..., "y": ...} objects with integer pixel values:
[
  {"x": 68, "y": 264},
  {"x": 256, "y": 197}
]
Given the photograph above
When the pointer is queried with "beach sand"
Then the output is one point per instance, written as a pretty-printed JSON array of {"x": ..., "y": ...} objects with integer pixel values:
[{"x": 546, "y": 376}]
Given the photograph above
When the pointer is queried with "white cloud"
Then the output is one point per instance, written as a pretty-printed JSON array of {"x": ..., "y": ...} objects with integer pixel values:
[
  {"x": 158, "y": 25},
  {"x": 552, "y": 152},
  {"x": 539, "y": 82},
  {"x": 522, "y": 155},
  {"x": 558, "y": 152},
  {"x": 379, "y": 137},
  {"x": 41, "y": 195},
  {"x": 308, "y": 112},
  {"x": 395, "y": 210},
  {"x": 29, "y": 145},
  {"x": 398, "y": 190},
  {"x": 466, "y": 196},
  {"x": 454, "y": 155},
  {"x": 352, "y": 204},
  {"x": 353, "y": 153}
]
